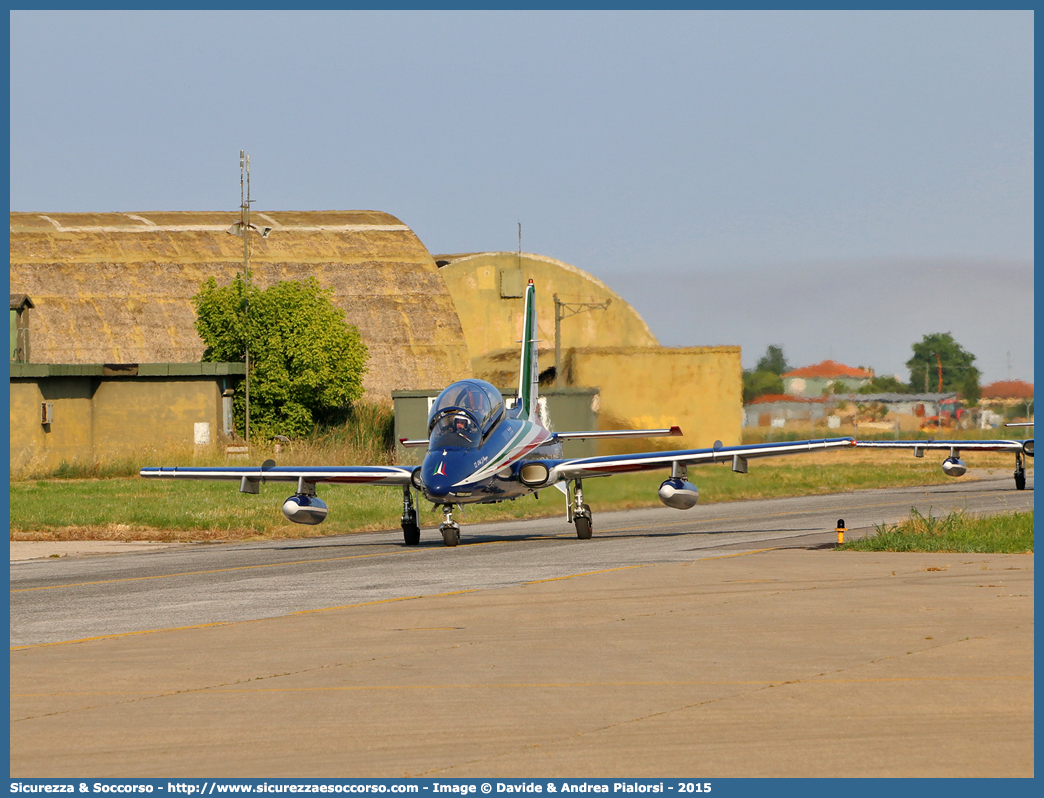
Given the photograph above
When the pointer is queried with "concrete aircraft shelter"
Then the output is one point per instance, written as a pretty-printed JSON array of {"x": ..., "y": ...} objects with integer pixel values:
[
  {"x": 641, "y": 384},
  {"x": 118, "y": 287},
  {"x": 487, "y": 290}
]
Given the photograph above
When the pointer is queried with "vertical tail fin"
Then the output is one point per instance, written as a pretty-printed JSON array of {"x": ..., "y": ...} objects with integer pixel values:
[{"x": 528, "y": 372}]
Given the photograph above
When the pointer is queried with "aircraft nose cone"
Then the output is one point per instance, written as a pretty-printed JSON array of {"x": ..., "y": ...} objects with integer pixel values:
[
  {"x": 437, "y": 481},
  {"x": 437, "y": 487}
]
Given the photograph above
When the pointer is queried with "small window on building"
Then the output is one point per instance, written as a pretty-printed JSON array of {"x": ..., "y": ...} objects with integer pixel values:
[{"x": 512, "y": 283}]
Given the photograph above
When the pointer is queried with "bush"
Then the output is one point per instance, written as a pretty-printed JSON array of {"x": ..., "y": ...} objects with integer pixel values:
[{"x": 306, "y": 361}]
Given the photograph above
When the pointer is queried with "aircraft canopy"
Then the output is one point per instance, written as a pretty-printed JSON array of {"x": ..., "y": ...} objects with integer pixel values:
[{"x": 480, "y": 402}]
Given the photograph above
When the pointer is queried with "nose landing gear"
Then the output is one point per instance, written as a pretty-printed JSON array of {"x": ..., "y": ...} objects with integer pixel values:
[{"x": 449, "y": 528}]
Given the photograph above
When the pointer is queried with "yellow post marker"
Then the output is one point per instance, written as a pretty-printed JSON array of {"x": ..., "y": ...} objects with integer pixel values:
[{"x": 840, "y": 531}]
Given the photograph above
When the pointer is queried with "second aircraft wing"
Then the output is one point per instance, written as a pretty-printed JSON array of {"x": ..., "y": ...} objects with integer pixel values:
[
  {"x": 963, "y": 445},
  {"x": 651, "y": 461}
]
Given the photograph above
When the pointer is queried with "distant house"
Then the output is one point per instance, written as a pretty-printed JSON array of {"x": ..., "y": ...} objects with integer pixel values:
[
  {"x": 1007, "y": 399},
  {"x": 823, "y": 378},
  {"x": 777, "y": 409},
  {"x": 907, "y": 404},
  {"x": 1007, "y": 392}
]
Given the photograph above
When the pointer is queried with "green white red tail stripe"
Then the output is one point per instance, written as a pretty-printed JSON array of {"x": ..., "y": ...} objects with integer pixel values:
[{"x": 528, "y": 372}]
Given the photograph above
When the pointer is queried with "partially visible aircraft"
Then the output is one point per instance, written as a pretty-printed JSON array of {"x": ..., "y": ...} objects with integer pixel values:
[
  {"x": 481, "y": 451},
  {"x": 953, "y": 465}
]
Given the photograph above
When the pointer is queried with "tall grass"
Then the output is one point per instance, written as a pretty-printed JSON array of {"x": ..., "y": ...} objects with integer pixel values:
[{"x": 957, "y": 532}]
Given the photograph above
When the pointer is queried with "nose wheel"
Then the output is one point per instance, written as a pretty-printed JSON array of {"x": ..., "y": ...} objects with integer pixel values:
[{"x": 449, "y": 528}]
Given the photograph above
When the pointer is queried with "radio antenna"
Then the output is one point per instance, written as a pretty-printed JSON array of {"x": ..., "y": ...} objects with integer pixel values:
[{"x": 244, "y": 209}]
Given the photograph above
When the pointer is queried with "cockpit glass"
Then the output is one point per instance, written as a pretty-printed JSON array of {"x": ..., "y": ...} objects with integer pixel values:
[
  {"x": 455, "y": 428},
  {"x": 480, "y": 400}
]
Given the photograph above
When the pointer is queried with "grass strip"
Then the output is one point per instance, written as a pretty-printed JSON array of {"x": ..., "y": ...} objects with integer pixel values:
[
  {"x": 957, "y": 532},
  {"x": 139, "y": 509}
]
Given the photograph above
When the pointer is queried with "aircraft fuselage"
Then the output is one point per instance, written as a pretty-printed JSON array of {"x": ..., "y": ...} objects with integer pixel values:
[{"x": 488, "y": 472}]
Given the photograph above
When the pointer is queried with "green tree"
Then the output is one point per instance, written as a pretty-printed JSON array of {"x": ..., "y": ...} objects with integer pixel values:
[
  {"x": 941, "y": 349},
  {"x": 306, "y": 361},
  {"x": 970, "y": 390},
  {"x": 884, "y": 384},
  {"x": 773, "y": 361},
  {"x": 760, "y": 383}
]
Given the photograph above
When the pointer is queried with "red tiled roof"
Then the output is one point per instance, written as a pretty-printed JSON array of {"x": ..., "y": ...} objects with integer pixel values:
[
  {"x": 1008, "y": 389},
  {"x": 829, "y": 368}
]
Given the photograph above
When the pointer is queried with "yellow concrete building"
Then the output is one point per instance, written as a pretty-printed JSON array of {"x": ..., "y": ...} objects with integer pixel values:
[
  {"x": 698, "y": 388},
  {"x": 87, "y": 414}
]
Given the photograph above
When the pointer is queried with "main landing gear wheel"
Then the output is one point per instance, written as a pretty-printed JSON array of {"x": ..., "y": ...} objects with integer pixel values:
[
  {"x": 584, "y": 524},
  {"x": 1020, "y": 473},
  {"x": 411, "y": 534},
  {"x": 410, "y": 524}
]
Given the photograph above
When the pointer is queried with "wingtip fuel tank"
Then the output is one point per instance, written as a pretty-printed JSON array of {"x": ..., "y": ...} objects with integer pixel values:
[
  {"x": 679, "y": 494},
  {"x": 303, "y": 509}
]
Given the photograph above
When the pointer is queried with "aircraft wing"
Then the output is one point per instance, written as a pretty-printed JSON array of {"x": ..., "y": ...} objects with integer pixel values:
[
  {"x": 618, "y": 433},
  {"x": 651, "y": 461},
  {"x": 964, "y": 446},
  {"x": 252, "y": 476}
]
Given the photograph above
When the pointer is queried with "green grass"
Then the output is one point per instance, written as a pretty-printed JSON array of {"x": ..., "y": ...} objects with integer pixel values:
[
  {"x": 139, "y": 509},
  {"x": 959, "y": 532}
]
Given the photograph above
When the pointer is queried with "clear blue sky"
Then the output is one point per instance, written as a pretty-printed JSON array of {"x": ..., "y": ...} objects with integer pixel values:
[{"x": 840, "y": 183}]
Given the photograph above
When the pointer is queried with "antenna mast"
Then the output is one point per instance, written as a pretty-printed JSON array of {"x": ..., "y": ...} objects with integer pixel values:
[
  {"x": 244, "y": 207},
  {"x": 563, "y": 310}
]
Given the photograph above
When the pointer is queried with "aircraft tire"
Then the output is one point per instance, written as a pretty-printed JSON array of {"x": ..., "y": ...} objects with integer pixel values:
[
  {"x": 1020, "y": 481},
  {"x": 450, "y": 535},
  {"x": 584, "y": 524},
  {"x": 411, "y": 534}
]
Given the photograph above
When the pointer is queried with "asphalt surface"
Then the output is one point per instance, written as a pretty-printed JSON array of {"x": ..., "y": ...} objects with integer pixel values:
[
  {"x": 74, "y": 599},
  {"x": 727, "y": 641}
]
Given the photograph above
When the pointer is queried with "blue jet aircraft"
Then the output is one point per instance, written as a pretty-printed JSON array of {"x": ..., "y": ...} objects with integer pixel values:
[{"x": 480, "y": 450}]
